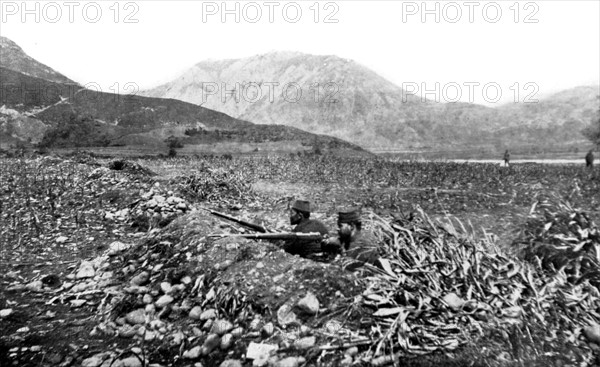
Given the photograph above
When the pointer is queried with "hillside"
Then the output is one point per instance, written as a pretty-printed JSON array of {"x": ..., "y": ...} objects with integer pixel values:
[
  {"x": 14, "y": 58},
  {"x": 43, "y": 110},
  {"x": 365, "y": 108}
]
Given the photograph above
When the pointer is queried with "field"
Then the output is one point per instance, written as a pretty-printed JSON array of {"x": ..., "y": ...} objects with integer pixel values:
[{"x": 110, "y": 262}]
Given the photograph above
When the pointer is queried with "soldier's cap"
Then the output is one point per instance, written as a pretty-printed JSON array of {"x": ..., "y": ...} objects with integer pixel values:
[
  {"x": 348, "y": 215},
  {"x": 301, "y": 205}
]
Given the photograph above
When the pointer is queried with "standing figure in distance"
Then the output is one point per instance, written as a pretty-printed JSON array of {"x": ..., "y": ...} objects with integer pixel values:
[
  {"x": 506, "y": 158},
  {"x": 300, "y": 218},
  {"x": 589, "y": 159}
]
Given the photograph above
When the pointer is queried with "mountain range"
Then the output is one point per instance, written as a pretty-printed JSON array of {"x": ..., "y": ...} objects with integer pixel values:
[
  {"x": 277, "y": 101},
  {"x": 345, "y": 99},
  {"x": 40, "y": 106}
]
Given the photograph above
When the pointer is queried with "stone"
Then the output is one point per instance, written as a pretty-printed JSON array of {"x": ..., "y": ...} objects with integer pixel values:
[
  {"x": 268, "y": 329},
  {"x": 78, "y": 302},
  {"x": 140, "y": 279},
  {"x": 212, "y": 341},
  {"x": 260, "y": 351},
  {"x": 117, "y": 247},
  {"x": 93, "y": 361},
  {"x": 309, "y": 304},
  {"x": 305, "y": 343},
  {"x": 6, "y": 312},
  {"x": 211, "y": 313},
  {"x": 192, "y": 353},
  {"x": 163, "y": 301},
  {"x": 147, "y": 299},
  {"x": 221, "y": 326},
  {"x": 453, "y": 301},
  {"x": 86, "y": 270},
  {"x": 592, "y": 332},
  {"x": 128, "y": 362},
  {"x": 285, "y": 316},
  {"x": 226, "y": 341},
  {"x": 231, "y": 363},
  {"x": 136, "y": 317},
  {"x": 290, "y": 362},
  {"x": 195, "y": 313}
]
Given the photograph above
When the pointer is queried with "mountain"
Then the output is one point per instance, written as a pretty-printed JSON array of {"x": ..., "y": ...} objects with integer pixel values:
[
  {"x": 40, "y": 106},
  {"x": 14, "y": 58},
  {"x": 345, "y": 99}
]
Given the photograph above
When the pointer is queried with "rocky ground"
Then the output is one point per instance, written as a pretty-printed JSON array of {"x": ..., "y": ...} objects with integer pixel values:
[{"x": 118, "y": 266}]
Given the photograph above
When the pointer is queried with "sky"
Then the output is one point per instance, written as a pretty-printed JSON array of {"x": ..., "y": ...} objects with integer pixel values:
[{"x": 487, "y": 52}]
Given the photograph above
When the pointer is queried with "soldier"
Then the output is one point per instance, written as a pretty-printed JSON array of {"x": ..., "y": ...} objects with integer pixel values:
[
  {"x": 589, "y": 159},
  {"x": 300, "y": 218},
  {"x": 352, "y": 241},
  {"x": 506, "y": 157}
]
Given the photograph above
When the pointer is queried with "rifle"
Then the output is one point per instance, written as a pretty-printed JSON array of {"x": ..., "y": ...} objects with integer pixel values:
[
  {"x": 256, "y": 227},
  {"x": 310, "y": 236}
]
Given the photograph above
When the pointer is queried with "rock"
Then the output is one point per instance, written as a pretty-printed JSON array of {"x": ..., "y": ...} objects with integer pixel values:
[
  {"x": 159, "y": 198},
  {"x": 6, "y": 312},
  {"x": 231, "y": 363},
  {"x": 592, "y": 332},
  {"x": 140, "y": 279},
  {"x": 208, "y": 314},
  {"x": 62, "y": 239},
  {"x": 309, "y": 304},
  {"x": 290, "y": 362},
  {"x": 93, "y": 361},
  {"x": 136, "y": 317},
  {"x": 192, "y": 353},
  {"x": 24, "y": 329},
  {"x": 117, "y": 247},
  {"x": 260, "y": 352},
  {"x": 221, "y": 327},
  {"x": 226, "y": 341},
  {"x": 212, "y": 341},
  {"x": 163, "y": 301},
  {"x": 352, "y": 351},
  {"x": 346, "y": 361},
  {"x": 453, "y": 301},
  {"x": 305, "y": 343},
  {"x": 78, "y": 302},
  {"x": 35, "y": 286},
  {"x": 128, "y": 362},
  {"x": 127, "y": 331},
  {"x": 147, "y": 299},
  {"x": 237, "y": 332},
  {"x": 165, "y": 287},
  {"x": 268, "y": 329},
  {"x": 151, "y": 203},
  {"x": 285, "y": 316},
  {"x": 195, "y": 313}
]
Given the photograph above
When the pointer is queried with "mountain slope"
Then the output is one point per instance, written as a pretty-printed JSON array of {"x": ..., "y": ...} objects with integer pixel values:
[
  {"x": 364, "y": 108},
  {"x": 14, "y": 58},
  {"x": 50, "y": 110}
]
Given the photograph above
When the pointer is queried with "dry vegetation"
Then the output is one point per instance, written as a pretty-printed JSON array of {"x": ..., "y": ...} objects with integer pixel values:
[{"x": 112, "y": 263}]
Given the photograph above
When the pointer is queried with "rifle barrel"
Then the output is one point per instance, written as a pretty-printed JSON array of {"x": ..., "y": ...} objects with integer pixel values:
[
  {"x": 311, "y": 236},
  {"x": 256, "y": 227}
]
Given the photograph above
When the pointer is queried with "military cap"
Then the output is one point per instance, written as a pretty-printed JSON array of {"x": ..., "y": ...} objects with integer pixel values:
[
  {"x": 301, "y": 205},
  {"x": 348, "y": 215}
]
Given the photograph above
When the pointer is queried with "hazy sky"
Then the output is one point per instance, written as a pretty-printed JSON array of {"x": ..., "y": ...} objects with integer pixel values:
[{"x": 551, "y": 45}]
